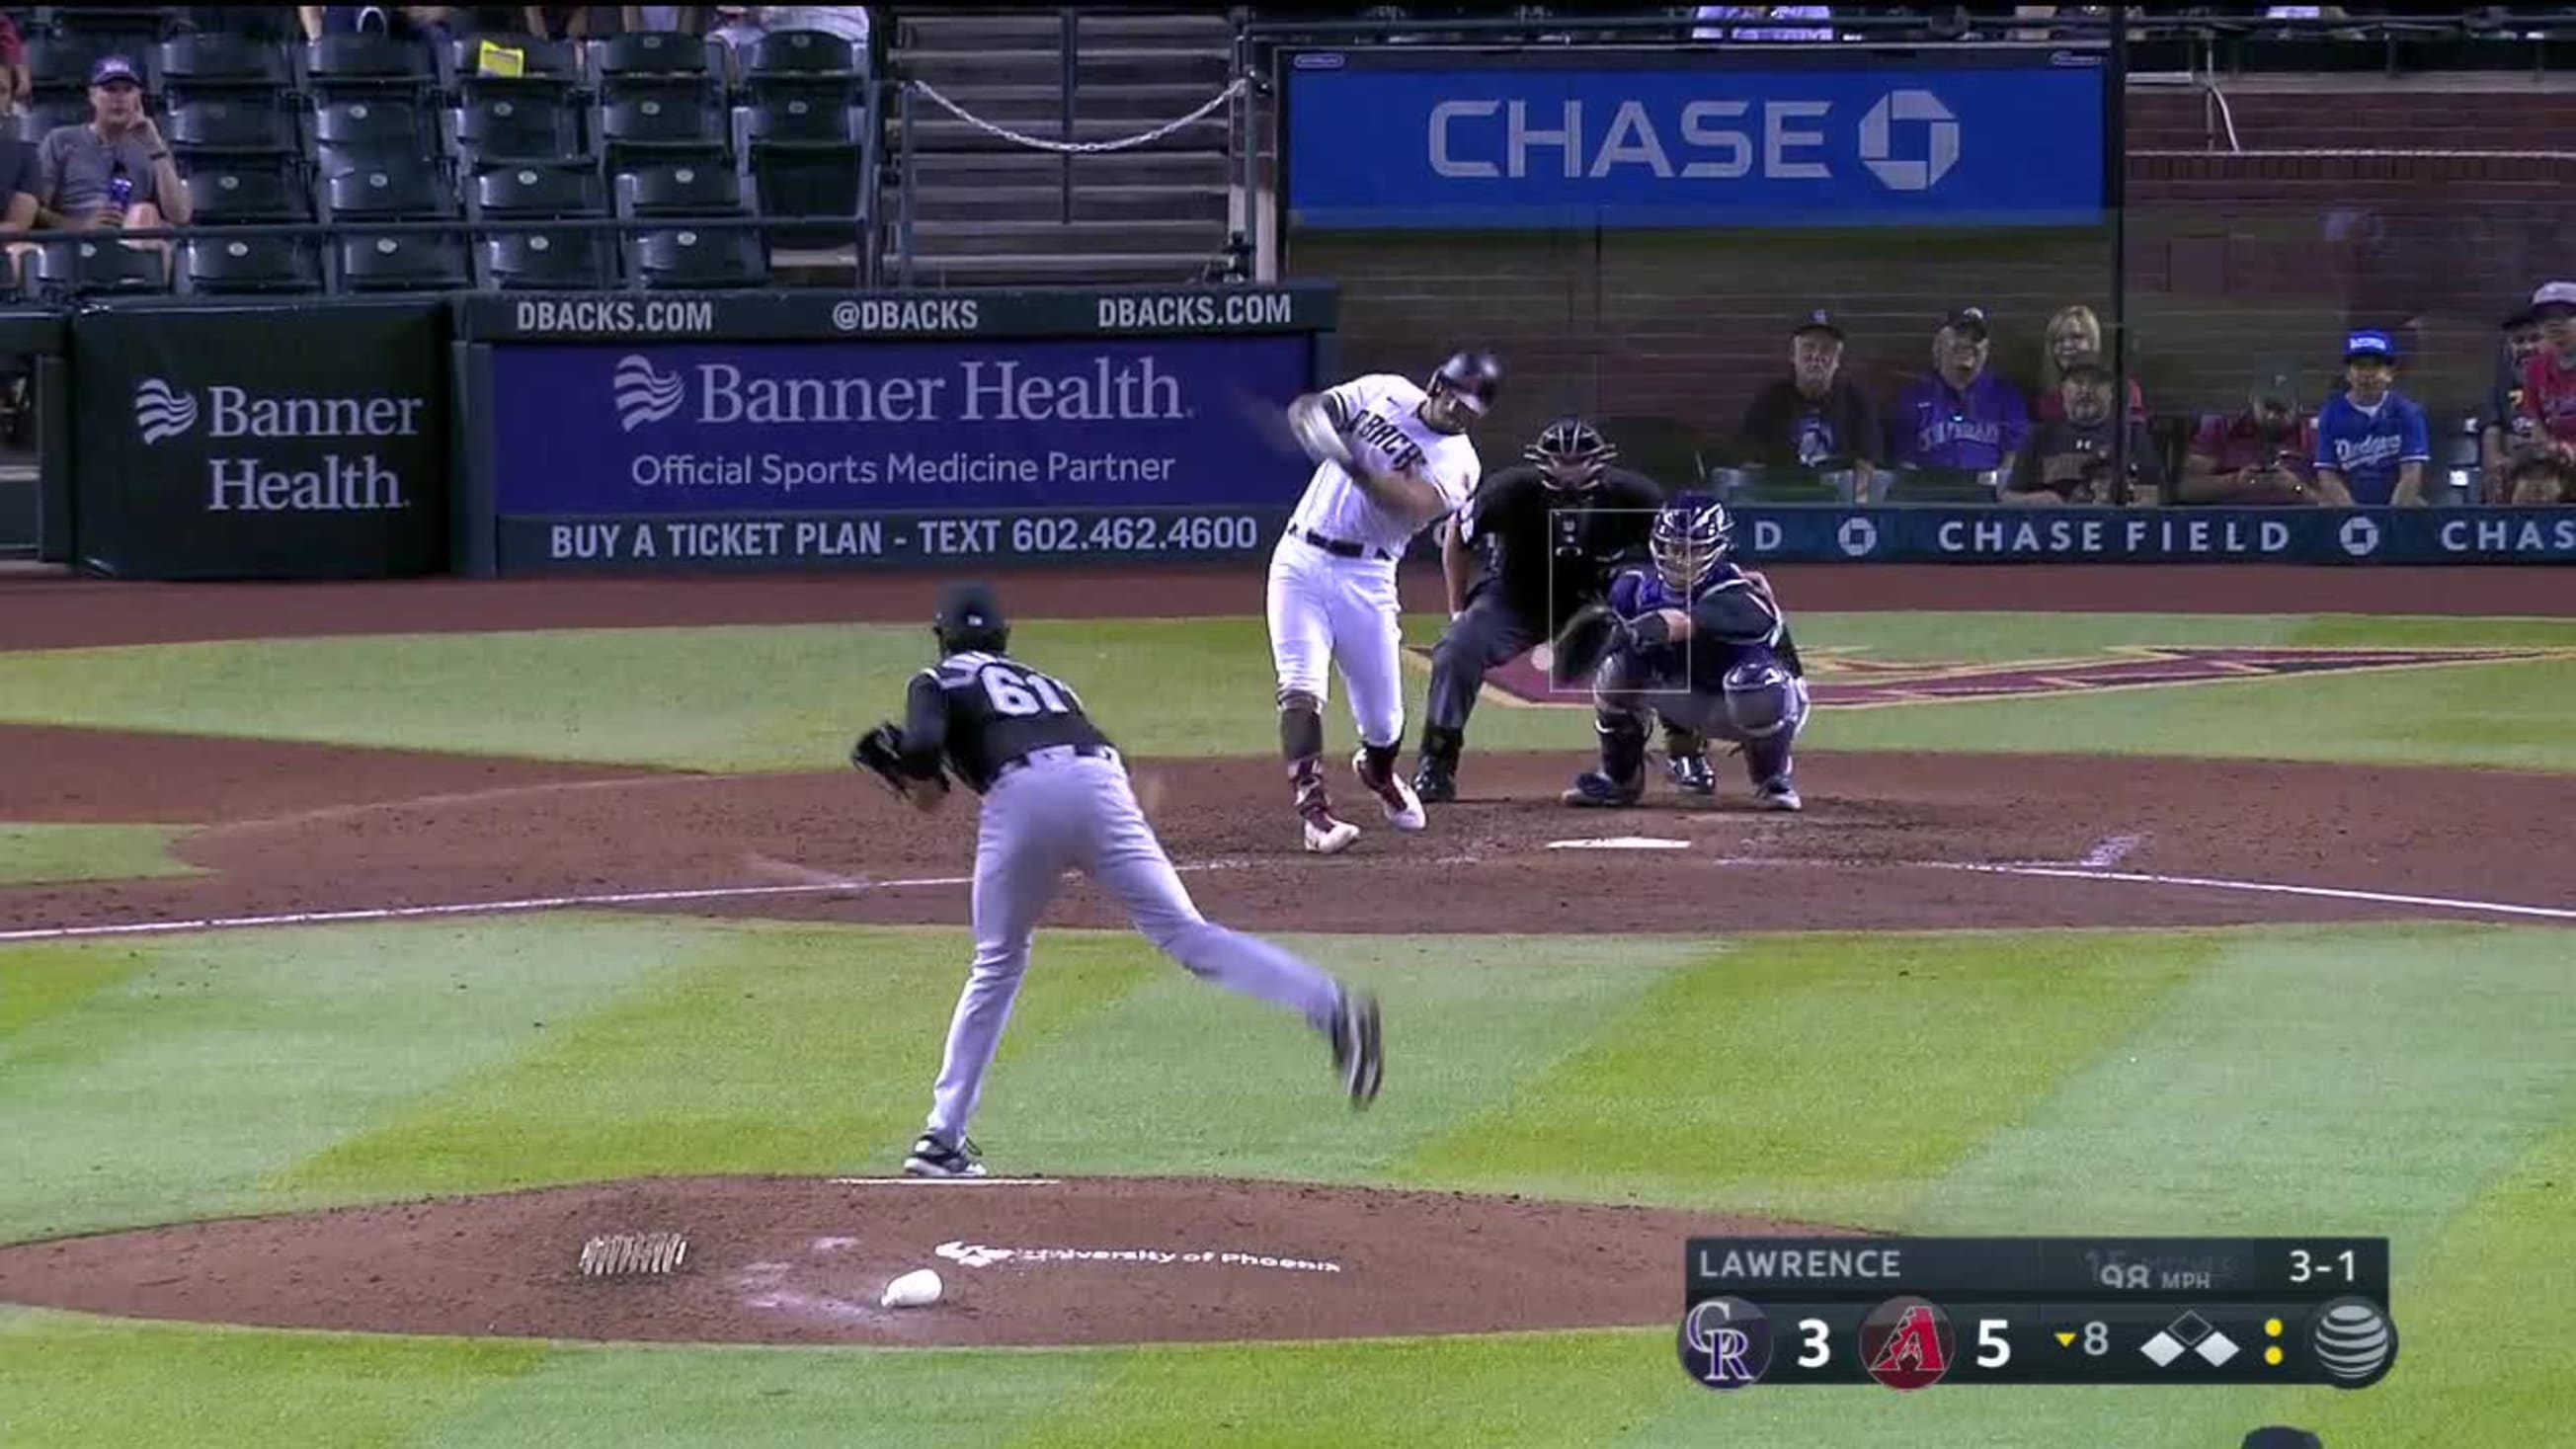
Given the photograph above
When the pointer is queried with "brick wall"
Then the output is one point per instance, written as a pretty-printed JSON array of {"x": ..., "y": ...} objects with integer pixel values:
[{"x": 2234, "y": 262}]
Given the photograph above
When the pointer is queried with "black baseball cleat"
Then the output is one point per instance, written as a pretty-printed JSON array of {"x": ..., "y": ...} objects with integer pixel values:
[
  {"x": 1359, "y": 1054},
  {"x": 1435, "y": 785},
  {"x": 934, "y": 1158},
  {"x": 1692, "y": 776},
  {"x": 1598, "y": 791}
]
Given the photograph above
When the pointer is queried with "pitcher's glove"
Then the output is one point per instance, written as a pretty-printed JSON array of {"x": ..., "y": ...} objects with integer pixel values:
[{"x": 880, "y": 752}]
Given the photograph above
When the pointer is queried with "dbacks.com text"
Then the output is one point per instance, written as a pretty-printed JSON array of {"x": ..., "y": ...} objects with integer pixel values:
[{"x": 617, "y": 314}]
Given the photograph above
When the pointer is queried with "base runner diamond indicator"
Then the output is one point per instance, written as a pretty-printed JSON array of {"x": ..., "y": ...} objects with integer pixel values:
[
  {"x": 2189, "y": 1329},
  {"x": 2218, "y": 1348},
  {"x": 2162, "y": 1349}
]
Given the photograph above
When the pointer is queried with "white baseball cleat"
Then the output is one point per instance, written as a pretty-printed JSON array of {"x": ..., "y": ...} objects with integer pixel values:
[
  {"x": 1778, "y": 795},
  {"x": 1403, "y": 807},
  {"x": 1330, "y": 837}
]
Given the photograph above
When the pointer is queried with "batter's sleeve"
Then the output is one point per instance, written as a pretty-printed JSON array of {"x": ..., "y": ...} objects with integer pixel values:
[
  {"x": 925, "y": 726},
  {"x": 1735, "y": 612},
  {"x": 1345, "y": 402}
]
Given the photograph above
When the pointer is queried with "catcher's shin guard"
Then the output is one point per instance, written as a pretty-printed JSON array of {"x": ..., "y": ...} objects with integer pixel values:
[{"x": 1623, "y": 749}]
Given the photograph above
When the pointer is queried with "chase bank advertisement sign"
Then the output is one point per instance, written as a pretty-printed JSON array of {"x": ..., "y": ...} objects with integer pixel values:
[
  {"x": 833, "y": 427},
  {"x": 1683, "y": 138}
]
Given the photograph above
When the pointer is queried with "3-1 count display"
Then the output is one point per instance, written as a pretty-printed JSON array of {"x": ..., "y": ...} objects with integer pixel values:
[{"x": 1908, "y": 1313}]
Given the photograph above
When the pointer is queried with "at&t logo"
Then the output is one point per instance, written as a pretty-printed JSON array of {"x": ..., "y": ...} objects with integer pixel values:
[
  {"x": 162, "y": 411},
  {"x": 644, "y": 394}
]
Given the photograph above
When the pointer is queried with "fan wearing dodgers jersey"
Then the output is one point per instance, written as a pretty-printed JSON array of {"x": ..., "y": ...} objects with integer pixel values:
[{"x": 1392, "y": 457}]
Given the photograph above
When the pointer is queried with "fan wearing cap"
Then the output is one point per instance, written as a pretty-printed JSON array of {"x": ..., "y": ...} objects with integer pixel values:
[
  {"x": 2509, "y": 431},
  {"x": 1962, "y": 416},
  {"x": 82, "y": 169},
  {"x": 2545, "y": 469},
  {"x": 2372, "y": 441},
  {"x": 2264, "y": 456},
  {"x": 2070, "y": 457},
  {"x": 1814, "y": 417}
]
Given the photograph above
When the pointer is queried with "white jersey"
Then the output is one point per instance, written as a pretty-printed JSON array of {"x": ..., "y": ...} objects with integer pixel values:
[{"x": 1376, "y": 416}]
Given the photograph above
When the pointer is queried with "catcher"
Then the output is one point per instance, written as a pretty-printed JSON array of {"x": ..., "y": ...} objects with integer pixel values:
[
  {"x": 1700, "y": 640},
  {"x": 1548, "y": 532},
  {"x": 1057, "y": 798}
]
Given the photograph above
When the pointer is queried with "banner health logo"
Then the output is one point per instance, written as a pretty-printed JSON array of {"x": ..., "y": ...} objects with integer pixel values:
[
  {"x": 1878, "y": 147},
  {"x": 162, "y": 411},
  {"x": 645, "y": 394}
]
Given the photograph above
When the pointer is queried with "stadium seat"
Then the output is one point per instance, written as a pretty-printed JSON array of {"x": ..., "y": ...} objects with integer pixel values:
[
  {"x": 517, "y": 128},
  {"x": 548, "y": 261},
  {"x": 88, "y": 268},
  {"x": 356, "y": 66},
  {"x": 544, "y": 66},
  {"x": 247, "y": 193},
  {"x": 228, "y": 265},
  {"x": 58, "y": 65},
  {"x": 372, "y": 133},
  {"x": 659, "y": 128},
  {"x": 813, "y": 64},
  {"x": 686, "y": 259},
  {"x": 49, "y": 112},
  {"x": 226, "y": 67},
  {"x": 668, "y": 189},
  {"x": 220, "y": 130},
  {"x": 117, "y": 25},
  {"x": 410, "y": 263},
  {"x": 805, "y": 177},
  {"x": 799, "y": 120},
  {"x": 409, "y": 193},
  {"x": 546, "y": 193},
  {"x": 659, "y": 64}
]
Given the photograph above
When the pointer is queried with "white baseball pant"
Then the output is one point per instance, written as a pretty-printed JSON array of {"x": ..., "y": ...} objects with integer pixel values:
[{"x": 1329, "y": 610}]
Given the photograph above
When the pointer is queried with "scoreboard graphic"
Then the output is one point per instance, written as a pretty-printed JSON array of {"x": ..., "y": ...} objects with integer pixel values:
[{"x": 1910, "y": 1313}]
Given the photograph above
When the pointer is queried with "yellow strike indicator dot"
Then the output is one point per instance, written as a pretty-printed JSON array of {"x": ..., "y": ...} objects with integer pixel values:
[
  {"x": 2272, "y": 1355},
  {"x": 2066, "y": 1340},
  {"x": 2272, "y": 1327}
]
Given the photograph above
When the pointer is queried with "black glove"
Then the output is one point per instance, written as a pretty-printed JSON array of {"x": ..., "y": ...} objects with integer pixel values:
[
  {"x": 1588, "y": 638},
  {"x": 880, "y": 752}
]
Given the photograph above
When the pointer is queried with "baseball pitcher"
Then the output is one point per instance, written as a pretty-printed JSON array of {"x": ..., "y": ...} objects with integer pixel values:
[
  {"x": 1700, "y": 640},
  {"x": 1390, "y": 458},
  {"x": 1056, "y": 798},
  {"x": 1549, "y": 532}
]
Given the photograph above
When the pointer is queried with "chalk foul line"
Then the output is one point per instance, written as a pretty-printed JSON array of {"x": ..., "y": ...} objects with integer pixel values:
[{"x": 2259, "y": 887}]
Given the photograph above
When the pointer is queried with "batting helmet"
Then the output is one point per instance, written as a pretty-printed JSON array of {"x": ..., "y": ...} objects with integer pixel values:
[
  {"x": 1464, "y": 388},
  {"x": 970, "y": 618},
  {"x": 1570, "y": 453},
  {"x": 1692, "y": 535}
]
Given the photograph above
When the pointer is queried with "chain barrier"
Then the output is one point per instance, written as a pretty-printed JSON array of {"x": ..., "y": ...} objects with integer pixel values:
[{"x": 1079, "y": 148}]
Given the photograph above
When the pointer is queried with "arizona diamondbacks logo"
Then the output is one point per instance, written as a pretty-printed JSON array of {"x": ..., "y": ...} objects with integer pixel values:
[
  {"x": 644, "y": 394},
  {"x": 162, "y": 411}
]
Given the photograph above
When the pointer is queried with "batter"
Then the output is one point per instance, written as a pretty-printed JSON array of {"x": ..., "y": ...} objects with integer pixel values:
[
  {"x": 1057, "y": 798},
  {"x": 1395, "y": 459}
]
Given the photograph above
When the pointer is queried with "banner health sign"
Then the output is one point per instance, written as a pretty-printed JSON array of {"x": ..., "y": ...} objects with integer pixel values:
[
  {"x": 2158, "y": 535},
  {"x": 261, "y": 442},
  {"x": 1822, "y": 137},
  {"x": 650, "y": 453}
]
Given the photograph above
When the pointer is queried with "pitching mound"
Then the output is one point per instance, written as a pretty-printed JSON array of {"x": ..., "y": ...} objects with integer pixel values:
[{"x": 802, "y": 1260}]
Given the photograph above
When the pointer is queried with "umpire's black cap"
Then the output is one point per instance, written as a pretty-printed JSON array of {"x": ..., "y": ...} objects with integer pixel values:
[{"x": 969, "y": 613}]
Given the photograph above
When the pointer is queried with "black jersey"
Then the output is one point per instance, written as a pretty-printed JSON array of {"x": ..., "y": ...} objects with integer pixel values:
[
  {"x": 1550, "y": 552},
  {"x": 977, "y": 712}
]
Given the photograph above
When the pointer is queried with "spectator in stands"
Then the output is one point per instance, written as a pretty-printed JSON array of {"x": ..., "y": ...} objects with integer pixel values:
[
  {"x": 2508, "y": 430},
  {"x": 1962, "y": 416},
  {"x": 1814, "y": 417},
  {"x": 2373, "y": 441},
  {"x": 17, "y": 84},
  {"x": 2070, "y": 457},
  {"x": 741, "y": 25},
  {"x": 83, "y": 169},
  {"x": 2262, "y": 457},
  {"x": 674, "y": 19},
  {"x": 1708, "y": 13},
  {"x": 576, "y": 22},
  {"x": 434, "y": 23},
  {"x": 2074, "y": 332},
  {"x": 2549, "y": 395}
]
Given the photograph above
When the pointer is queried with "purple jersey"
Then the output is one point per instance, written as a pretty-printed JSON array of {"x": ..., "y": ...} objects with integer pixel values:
[{"x": 1733, "y": 621}]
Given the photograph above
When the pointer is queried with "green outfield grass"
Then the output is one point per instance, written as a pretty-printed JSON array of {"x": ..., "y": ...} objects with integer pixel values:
[
  {"x": 790, "y": 697},
  {"x": 2406, "y": 1080},
  {"x": 37, "y": 854}
]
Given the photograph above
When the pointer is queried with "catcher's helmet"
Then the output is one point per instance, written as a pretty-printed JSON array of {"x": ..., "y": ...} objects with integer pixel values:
[
  {"x": 1693, "y": 533},
  {"x": 970, "y": 618},
  {"x": 1464, "y": 389},
  {"x": 1570, "y": 453}
]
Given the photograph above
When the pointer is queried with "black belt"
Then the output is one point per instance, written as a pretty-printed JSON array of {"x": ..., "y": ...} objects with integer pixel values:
[
  {"x": 1055, "y": 752},
  {"x": 1341, "y": 548}
]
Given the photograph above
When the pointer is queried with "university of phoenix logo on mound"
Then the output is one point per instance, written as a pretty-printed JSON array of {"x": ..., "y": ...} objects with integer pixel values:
[
  {"x": 1844, "y": 680},
  {"x": 644, "y": 393}
]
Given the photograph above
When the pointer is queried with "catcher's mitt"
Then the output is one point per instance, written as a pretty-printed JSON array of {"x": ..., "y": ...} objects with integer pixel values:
[
  {"x": 880, "y": 752},
  {"x": 1586, "y": 640}
]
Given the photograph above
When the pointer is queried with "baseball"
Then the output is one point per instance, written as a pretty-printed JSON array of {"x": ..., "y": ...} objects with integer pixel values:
[{"x": 917, "y": 1289}]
